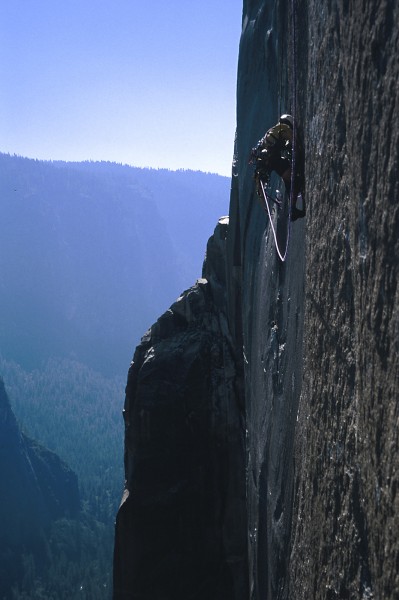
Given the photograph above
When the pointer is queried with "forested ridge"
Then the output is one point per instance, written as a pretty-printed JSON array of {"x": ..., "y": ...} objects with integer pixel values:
[
  {"x": 70, "y": 561},
  {"x": 90, "y": 254},
  {"x": 75, "y": 412}
]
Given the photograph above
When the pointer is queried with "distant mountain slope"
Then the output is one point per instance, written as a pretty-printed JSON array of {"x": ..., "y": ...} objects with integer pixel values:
[
  {"x": 90, "y": 253},
  {"x": 76, "y": 413},
  {"x": 189, "y": 202},
  {"x": 36, "y": 488},
  {"x": 35, "y": 485}
]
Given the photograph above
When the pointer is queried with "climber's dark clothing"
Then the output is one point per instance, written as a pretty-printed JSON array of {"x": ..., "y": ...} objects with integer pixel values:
[{"x": 274, "y": 153}]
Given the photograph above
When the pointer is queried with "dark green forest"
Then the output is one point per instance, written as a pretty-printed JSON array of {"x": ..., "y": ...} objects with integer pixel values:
[
  {"x": 70, "y": 561},
  {"x": 90, "y": 255},
  {"x": 77, "y": 413}
]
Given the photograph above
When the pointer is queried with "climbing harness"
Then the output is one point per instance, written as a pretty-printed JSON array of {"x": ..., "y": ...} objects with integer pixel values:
[{"x": 283, "y": 254}]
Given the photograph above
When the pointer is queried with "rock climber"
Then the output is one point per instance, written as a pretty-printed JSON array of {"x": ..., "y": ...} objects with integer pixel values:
[{"x": 274, "y": 153}]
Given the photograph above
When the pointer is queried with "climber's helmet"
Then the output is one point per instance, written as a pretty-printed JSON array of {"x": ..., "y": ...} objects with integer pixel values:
[{"x": 287, "y": 120}]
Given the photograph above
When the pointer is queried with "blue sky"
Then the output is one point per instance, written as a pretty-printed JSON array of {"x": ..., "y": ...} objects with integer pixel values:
[{"x": 147, "y": 84}]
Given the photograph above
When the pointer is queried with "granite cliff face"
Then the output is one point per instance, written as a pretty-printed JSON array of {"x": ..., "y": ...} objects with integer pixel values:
[
  {"x": 36, "y": 487},
  {"x": 302, "y": 401},
  {"x": 181, "y": 528},
  {"x": 346, "y": 511}
]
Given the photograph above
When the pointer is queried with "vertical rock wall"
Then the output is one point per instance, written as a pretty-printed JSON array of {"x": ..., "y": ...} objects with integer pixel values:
[
  {"x": 261, "y": 410},
  {"x": 270, "y": 305},
  {"x": 322, "y": 464},
  {"x": 346, "y": 515}
]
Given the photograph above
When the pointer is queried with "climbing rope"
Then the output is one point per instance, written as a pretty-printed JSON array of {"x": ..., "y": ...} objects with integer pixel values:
[{"x": 283, "y": 256}]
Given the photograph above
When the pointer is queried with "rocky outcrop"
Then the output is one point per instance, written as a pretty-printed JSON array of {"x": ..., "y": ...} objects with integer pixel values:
[
  {"x": 313, "y": 340},
  {"x": 36, "y": 487},
  {"x": 181, "y": 528}
]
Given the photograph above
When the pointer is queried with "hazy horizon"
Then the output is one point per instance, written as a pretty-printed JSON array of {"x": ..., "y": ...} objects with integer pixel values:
[
  {"x": 102, "y": 81},
  {"x": 113, "y": 162}
]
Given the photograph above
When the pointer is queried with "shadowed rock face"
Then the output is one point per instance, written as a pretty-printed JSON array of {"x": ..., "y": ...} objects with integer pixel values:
[
  {"x": 310, "y": 359},
  {"x": 181, "y": 528},
  {"x": 322, "y": 511},
  {"x": 269, "y": 302}
]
